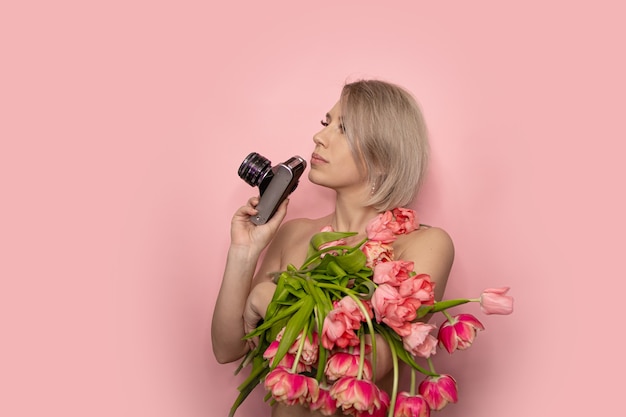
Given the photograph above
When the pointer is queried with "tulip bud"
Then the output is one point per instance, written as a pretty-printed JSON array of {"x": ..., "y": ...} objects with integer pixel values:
[{"x": 495, "y": 301}]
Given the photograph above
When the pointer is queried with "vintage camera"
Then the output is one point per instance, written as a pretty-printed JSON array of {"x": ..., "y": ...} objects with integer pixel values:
[{"x": 275, "y": 183}]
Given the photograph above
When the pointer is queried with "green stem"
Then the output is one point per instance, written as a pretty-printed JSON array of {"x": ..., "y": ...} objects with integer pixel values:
[
  {"x": 431, "y": 366},
  {"x": 396, "y": 376},
  {"x": 441, "y": 306},
  {"x": 370, "y": 326},
  {"x": 361, "y": 355},
  {"x": 413, "y": 378},
  {"x": 321, "y": 353},
  {"x": 305, "y": 332}
]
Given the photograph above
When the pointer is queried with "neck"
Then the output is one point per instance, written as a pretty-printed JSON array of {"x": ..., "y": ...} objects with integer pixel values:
[{"x": 350, "y": 216}]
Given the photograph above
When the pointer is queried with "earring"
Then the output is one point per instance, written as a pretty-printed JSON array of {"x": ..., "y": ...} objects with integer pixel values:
[{"x": 373, "y": 188}]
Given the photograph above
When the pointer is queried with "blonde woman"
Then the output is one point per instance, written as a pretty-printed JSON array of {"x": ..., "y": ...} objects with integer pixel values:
[{"x": 372, "y": 150}]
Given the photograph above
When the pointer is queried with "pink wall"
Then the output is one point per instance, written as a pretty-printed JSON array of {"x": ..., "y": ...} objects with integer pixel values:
[{"x": 123, "y": 126}]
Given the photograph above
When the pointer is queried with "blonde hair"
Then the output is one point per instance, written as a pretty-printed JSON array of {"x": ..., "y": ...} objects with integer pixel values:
[{"x": 387, "y": 133}]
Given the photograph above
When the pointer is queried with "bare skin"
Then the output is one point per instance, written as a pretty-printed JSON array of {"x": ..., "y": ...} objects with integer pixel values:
[
  {"x": 429, "y": 248},
  {"x": 247, "y": 290}
]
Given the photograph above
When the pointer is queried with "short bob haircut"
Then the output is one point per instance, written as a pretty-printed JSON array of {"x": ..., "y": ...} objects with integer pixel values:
[{"x": 388, "y": 136}]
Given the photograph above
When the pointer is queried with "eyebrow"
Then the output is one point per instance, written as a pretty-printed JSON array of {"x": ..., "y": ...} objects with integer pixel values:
[{"x": 330, "y": 118}]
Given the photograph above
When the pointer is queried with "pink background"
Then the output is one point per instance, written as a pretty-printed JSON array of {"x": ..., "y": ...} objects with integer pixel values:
[{"x": 123, "y": 125}]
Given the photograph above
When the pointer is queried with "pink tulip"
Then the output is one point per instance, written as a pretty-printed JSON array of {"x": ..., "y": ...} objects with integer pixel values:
[
  {"x": 428, "y": 348},
  {"x": 289, "y": 388},
  {"x": 271, "y": 350},
  {"x": 439, "y": 391},
  {"x": 378, "y": 228},
  {"x": 325, "y": 403},
  {"x": 287, "y": 361},
  {"x": 378, "y": 412},
  {"x": 346, "y": 364},
  {"x": 394, "y": 310},
  {"x": 419, "y": 287},
  {"x": 340, "y": 323},
  {"x": 459, "y": 332},
  {"x": 337, "y": 333},
  {"x": 405, "y": 221},
  {"x": 495, "y": 301},
  {"x": 377, "y": 252},
  {"x": 351, "y": 309},
  {"x": 408, "y": 405},
  {"x": 356, "y": 396},
  {"x": 309, "y": 349},
  {"x": 392, "y": 272},
  {"x": 308, "y": 356},
  {"x": 418, "y": 337}
]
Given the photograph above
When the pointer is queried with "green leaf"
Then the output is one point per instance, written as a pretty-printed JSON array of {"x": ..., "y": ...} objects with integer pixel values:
[
  {"x": 272, "y": 332},
  {"x": 322, "y": 238},
  {"x": 323, "y": 277},
  {"x": 365, "y": 288},
  {"x": 294, "y": 327},
  {"x": 280, "y": 295},
  {"x": 293, "y": 283},
  {"x": 343, "y": 282},
  {"x": 393, "y": 338},
  {"x": 335, "y": 270},
  {"x": 269, "y": 321},
  {"x": 364, "y": 273},
  {"x": 352, "y": 262},
  {"x": 324, "y": 304},
  {"x": 256, "y": 375}
]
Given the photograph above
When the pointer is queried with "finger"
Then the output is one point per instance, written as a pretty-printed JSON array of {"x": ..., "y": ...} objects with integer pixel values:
[
  {"x": 253, "y": 201},
  {"x": 249, "y": 209},
  {"x": 280, "y": 214},
  {"x": 253, "y": 341}
]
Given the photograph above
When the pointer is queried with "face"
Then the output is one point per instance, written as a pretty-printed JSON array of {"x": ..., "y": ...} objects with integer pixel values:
[{"x": 332, "y": 163}]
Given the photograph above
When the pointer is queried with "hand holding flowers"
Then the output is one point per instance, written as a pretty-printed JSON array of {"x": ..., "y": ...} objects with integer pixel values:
[{"x": 312, "y": 348}]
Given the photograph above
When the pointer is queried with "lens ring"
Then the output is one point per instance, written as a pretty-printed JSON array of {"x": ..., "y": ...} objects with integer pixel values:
[{"x": 254, "y": 168}]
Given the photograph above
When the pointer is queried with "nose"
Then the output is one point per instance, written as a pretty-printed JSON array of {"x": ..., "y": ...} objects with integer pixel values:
[{"x": 319, "y": 140}]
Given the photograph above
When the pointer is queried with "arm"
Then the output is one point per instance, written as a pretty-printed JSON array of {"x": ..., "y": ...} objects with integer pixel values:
[
  {"x": 432, "y": 252},
  {"x": 247, "y": 243}
]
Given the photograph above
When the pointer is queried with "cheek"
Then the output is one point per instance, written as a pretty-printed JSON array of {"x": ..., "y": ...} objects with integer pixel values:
[
  {"x": 353, "y": 164},
  {"x": 360, "y": 172}
]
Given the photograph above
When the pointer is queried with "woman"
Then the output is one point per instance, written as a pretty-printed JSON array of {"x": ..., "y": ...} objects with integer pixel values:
[{"x": 372, "y": 151}]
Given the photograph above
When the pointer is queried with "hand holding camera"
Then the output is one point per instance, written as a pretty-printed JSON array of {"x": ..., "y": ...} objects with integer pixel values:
[{"x": 275, "y": 182}]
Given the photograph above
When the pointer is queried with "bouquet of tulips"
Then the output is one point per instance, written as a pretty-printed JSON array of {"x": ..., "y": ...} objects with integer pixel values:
[{"x": 317, "y": 344}]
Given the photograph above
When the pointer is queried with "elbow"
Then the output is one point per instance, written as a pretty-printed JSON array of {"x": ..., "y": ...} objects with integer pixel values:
[
  {"x": 226, "y": 354},
  {"x": 222, "y": 357}
]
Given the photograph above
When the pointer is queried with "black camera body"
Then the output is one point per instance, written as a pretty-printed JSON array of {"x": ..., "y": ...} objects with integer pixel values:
[{"x": 275, "y": 182}]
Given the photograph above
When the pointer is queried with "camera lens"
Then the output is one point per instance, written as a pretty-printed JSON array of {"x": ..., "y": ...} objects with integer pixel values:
[{"x": 254, "y": 169}]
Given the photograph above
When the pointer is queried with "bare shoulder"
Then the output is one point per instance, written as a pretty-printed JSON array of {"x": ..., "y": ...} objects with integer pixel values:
[
  {"x": 432, "y": 251},
  {"x": 427, "y": 239},
  {"x": 291, "y": 242},
  {"x": 299, "y": 229}
]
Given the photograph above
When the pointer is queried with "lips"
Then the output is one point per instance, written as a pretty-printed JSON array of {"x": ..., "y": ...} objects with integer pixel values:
[{"x": 317, "y": 159}]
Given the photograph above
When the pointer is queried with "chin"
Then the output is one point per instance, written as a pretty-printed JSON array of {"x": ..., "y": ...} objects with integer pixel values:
[{"x": 312, "y": 178}]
